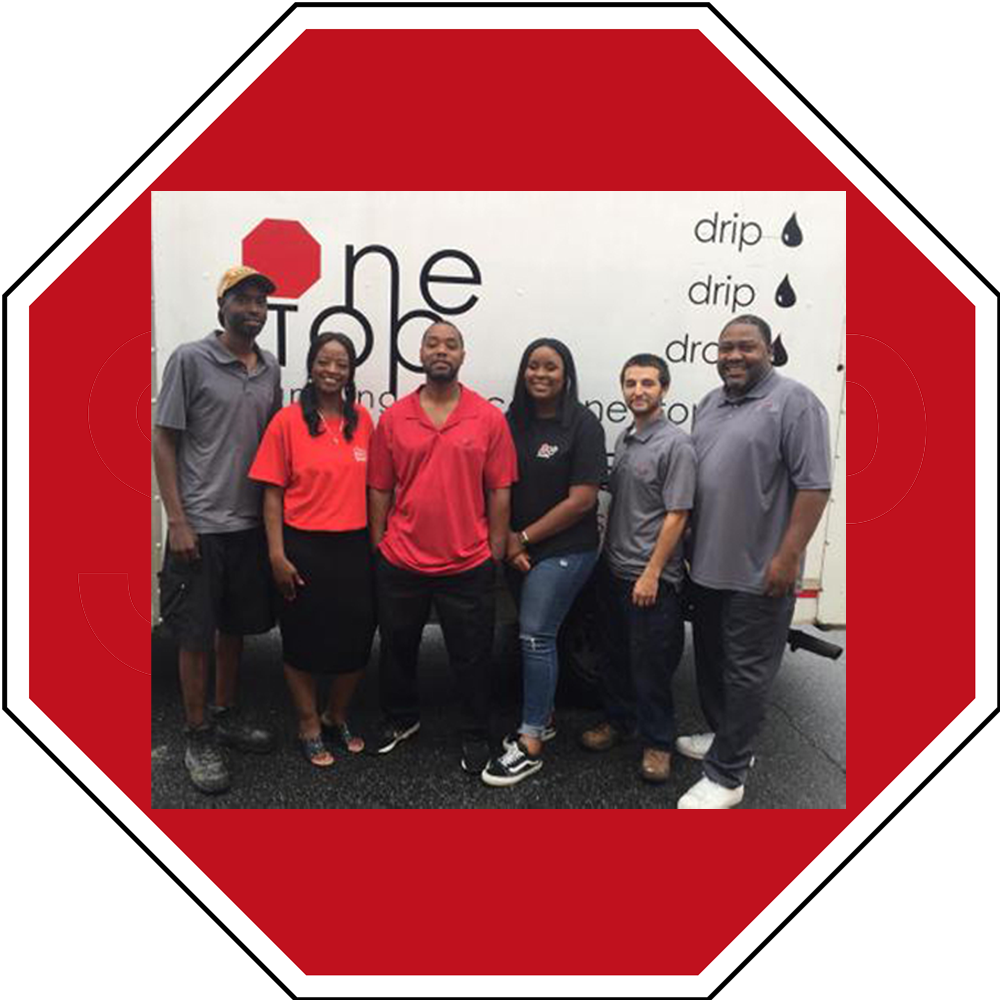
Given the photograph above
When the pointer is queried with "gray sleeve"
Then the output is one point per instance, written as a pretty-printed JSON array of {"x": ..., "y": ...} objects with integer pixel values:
[
  {"x": 702, "y": 402},
  {"x": 278, "y": 401},
  {"x": 615, "y": 459},
  {"x": 172, "y": 399},
  {"x": 805, "y": 442},
  {"x": 680, "y": 467}
]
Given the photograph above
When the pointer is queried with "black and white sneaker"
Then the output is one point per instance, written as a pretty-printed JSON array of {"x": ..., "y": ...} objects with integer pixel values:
[
  {"x": 391, "y": 736},
  {"x": 548, "y": 733},
  {"x": 512, "y": 766},
  {"x": 475, "y": 756}
]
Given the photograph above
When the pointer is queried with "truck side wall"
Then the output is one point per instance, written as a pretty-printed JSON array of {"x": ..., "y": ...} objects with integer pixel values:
[{"x": 610, "y": 273}]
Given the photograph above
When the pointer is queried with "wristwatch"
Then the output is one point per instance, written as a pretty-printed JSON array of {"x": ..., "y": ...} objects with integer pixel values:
[{"x": 523, "y": 536}]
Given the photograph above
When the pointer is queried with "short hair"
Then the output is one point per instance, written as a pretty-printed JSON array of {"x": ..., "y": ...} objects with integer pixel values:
[
  {"x": 444, "y": 322},
  {"x": 648, "y": 361},
  {"x": 222, "y": 322},
  {"x": 750, "y": 320}
]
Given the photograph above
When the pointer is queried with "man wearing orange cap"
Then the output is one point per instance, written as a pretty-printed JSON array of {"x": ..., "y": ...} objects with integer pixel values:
[{"x": 217, "y": 396}]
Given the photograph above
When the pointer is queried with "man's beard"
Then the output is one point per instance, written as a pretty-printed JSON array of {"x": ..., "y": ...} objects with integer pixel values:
[
  {"x": 441, "y": 374},
  {"x": 753, "y": 375}
]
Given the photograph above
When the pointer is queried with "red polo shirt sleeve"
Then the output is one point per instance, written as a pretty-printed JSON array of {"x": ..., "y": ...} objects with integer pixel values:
[
  {"x": 381, "y": 474},
  {"x": 272, "y": 464},
  {"x": 501, "y": 459}
]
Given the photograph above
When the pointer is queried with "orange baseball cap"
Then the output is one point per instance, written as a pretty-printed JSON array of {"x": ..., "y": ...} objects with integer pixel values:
[{"x": 235, "y": 275}]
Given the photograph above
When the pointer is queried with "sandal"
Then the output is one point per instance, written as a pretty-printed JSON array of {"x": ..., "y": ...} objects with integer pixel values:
[
  {"x": 316, "y": 751},
  {"x": 348, "y": 740}
]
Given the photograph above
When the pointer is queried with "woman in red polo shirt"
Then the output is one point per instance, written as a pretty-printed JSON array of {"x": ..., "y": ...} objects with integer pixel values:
[{"x": 313, "y": 461}]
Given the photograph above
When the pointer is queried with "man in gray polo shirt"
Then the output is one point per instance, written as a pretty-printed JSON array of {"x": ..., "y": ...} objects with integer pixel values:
[
  {"x": 640, "y": 573},
  {"x": 217, "y": 396},
  {"x": 763, "y": 447}
]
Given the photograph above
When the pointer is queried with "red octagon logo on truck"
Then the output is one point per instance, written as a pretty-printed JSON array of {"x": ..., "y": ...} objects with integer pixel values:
[
  {"x": 285, "y": 251},
  {"x": 899, "y": 734}
]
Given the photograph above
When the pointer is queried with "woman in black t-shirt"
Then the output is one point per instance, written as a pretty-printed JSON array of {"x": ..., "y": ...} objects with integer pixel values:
[{"x": 552, "y": 548}]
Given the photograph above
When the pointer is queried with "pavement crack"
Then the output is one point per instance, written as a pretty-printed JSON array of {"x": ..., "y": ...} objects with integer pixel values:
[{"x": 805, "y": 736}]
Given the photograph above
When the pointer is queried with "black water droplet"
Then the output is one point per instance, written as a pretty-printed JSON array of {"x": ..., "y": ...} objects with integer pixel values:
[
  {"x": 785, "y": 295},
  {"x": 791, "y": 235},
  {"x": 779, "y": 356}
]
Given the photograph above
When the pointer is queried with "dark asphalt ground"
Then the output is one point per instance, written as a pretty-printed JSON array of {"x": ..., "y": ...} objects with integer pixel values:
[{"x": 801, "y": 752}]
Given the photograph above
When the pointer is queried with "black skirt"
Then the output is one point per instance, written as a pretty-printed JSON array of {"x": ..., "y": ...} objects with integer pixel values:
[{"x": 328, "y": 628}]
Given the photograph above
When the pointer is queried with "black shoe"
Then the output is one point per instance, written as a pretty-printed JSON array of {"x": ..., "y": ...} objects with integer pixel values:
[
  {"x": 235, "y": 732},
  {"x": 391, "y": 736},
  {"x": 475, "y": 756},
  {"x": 206, "y": 766},
  {"x": 513, "y": 765}
]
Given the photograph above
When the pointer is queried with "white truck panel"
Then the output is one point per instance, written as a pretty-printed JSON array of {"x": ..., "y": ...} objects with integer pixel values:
[
  {"x": 832, "y": 609},
  {"x": 610, "y": 273}
]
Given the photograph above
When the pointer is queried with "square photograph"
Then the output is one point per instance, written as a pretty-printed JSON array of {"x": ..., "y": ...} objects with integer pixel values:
[{"x": 498, "y": 500}]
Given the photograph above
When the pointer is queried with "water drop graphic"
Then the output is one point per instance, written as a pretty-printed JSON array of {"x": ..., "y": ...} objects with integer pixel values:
[
  {"x": 785, "y": 295},
  {"x": 791, "y": 235},
  {"x": 779, "y": 356}
]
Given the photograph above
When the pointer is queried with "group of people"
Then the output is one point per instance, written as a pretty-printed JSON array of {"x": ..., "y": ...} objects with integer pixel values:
[{"x": 341, "y": 526}]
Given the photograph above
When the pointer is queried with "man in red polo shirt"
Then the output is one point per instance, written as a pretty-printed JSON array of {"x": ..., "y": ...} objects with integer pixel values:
[{"x": 444, "y": 460}]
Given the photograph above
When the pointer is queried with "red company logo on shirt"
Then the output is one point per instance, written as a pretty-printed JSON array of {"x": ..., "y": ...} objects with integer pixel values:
[
  {"x": 360, "y": 455},
  {"x": 547, "y": 450}
]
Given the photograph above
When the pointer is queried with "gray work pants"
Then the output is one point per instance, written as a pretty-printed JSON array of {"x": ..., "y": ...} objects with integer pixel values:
[{"x": 739, "y": 640}]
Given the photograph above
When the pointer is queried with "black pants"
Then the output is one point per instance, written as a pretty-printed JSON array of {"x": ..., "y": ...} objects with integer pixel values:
[
  {"x": 739, "y": 640},
  {"x": 642, "y": 648},
  {"x": 465, "y": 604}
]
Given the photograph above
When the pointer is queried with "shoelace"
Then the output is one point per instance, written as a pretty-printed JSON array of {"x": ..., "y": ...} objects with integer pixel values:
[{"x": 512, "y": 755}]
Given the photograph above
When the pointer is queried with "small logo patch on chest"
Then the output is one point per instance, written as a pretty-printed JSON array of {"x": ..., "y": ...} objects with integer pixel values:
[
  {"x": 360, "y": 455},
  {"x": 547, "y": 450}
]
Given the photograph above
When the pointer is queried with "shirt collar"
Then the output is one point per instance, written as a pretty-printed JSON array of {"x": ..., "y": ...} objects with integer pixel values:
[
  {"x": 225, "y": 357},
  {"x": 463, "y": 411},
  {"x": 653, "y": 427},
  {"x": 757, "y": 391}
]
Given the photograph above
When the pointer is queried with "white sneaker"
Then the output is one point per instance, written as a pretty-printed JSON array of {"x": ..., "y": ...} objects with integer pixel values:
[
  {"x": 708, "y": 794},
  {"x": 694, "y": 747}
]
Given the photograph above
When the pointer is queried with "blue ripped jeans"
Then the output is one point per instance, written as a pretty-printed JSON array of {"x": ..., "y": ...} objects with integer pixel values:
[{"x": 544, "y": 597}]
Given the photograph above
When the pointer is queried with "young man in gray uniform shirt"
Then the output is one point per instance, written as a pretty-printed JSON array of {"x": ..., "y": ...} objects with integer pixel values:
[
  {"x": 217, "y": 396},
  {"x": 640, "y": 573},
  {"x": 763, "y": 447}
]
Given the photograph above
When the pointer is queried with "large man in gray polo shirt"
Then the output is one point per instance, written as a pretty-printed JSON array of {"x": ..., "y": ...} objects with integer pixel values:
[
  {"x": 217, "y": 396},
  {"x": 763, "y": 447},
  {"x": 640, "y": 573}
]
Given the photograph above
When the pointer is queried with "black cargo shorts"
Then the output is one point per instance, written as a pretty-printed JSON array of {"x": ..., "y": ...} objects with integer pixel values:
[{"x": 228, "y": 588}]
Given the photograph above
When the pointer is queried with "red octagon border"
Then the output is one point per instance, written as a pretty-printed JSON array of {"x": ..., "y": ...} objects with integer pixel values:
[{"x": 640, "y": 67}]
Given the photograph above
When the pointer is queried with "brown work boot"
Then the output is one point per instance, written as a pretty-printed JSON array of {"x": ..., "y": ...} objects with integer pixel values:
[
  {"x": 655, "y": 765},
  {"x": 603, "y": 736}
]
